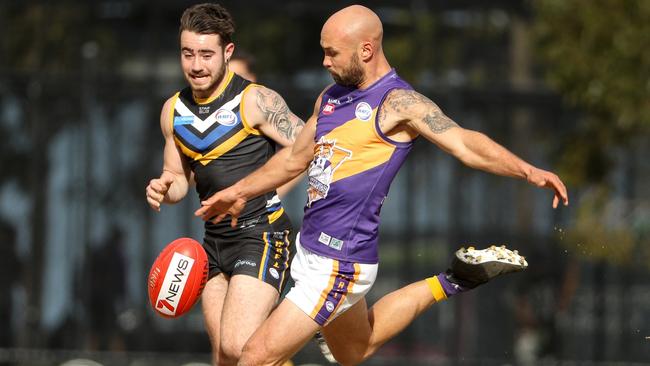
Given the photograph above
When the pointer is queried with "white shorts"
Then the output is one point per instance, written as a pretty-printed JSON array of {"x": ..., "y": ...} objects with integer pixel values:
[{"x": 325, "y": 288}]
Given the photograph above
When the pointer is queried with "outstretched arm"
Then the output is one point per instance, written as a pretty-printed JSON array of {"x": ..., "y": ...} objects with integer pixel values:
[
  {"x": 285, "y": 165},
  {"x": 474, "y": 149}
]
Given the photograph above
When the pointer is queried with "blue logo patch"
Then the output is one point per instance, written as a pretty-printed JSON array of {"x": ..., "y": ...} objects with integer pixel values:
[{"x": 183, "y": 120}]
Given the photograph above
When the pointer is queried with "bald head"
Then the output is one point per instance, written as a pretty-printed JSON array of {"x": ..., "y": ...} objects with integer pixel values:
[
  {"x": 355, "y": 24},
  {"x": 351, "y": 41}
]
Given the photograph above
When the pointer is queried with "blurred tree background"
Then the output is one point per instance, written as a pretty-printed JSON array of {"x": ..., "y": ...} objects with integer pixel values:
[
  {"x": 563, "y": 84},
  {"x": 608, "y": 79}
]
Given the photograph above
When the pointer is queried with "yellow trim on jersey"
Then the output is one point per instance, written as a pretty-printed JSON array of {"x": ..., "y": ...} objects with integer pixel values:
[
  {"x": 217, "y": 94},
  {"x": 174, "y": 99},
  {"x": 244, "y": 120},
  {"x": 215, "y": 153},
  {"x": 368, "y": 149},
  {"x": 276, "y": 215},
  {"x": 326, "y": 291},
  {"x": 225, "y": 146},
  {"x": 265, "y": 253}
]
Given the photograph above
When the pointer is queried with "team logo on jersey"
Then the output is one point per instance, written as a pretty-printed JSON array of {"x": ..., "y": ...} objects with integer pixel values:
[
  {"x": 363, "y": 111},
  {"x": 226, "y": 117},
  {"x": 327, "y": 158},
  {"x": 329, "y": 108}
]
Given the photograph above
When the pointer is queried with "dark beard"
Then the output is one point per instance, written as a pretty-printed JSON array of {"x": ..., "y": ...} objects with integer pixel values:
[
  {"x": 216, "y": 80},
  {"x": 353, "y": 76}
]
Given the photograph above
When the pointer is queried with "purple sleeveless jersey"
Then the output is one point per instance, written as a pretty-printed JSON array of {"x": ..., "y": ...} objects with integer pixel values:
[{"x": 354, "y": 164}]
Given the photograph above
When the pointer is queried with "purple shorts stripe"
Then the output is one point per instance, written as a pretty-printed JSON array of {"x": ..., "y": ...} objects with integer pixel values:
[
  {"x": 323, "y": 296},
  {"x": 344, "y": 279},
  {"x": 287, "y": 250}
]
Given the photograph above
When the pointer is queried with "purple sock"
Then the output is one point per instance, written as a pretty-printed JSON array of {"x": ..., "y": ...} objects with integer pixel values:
[{"x": 449, "y": 287}]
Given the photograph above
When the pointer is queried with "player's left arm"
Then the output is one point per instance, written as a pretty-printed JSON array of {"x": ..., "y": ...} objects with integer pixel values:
[{"x": 419, "y": 114}]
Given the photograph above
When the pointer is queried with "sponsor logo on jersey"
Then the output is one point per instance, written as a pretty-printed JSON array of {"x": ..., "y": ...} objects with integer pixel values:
[
  {"x": 333, "y": 101},
  {"x": 183, "y": 120},
  {"x": 363, "y": 111},
  {"x": 204, "y": 109},
  {"x": 226, "y": 117},
  {"x": 175, "y": 279},
  {"x": 328, "y": 109}
]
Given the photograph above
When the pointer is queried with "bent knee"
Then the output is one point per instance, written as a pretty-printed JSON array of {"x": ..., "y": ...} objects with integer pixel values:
[
  {"x": 250, "y": 356},
  {"x": 258, "y": 355},
  {"x": 229, "y": 353}
]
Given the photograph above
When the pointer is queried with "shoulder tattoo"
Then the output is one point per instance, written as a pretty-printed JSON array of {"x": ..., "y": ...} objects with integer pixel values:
[
  {"x": 275, "y": 111},
  {"x": 408, "y": 101}
]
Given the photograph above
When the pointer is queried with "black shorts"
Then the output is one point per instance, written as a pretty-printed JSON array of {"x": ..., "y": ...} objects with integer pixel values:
[{"x": 263, "y": 250}]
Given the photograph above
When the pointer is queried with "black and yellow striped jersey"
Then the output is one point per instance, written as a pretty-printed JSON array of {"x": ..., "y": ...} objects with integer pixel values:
[{"x": 222, "y": 147}]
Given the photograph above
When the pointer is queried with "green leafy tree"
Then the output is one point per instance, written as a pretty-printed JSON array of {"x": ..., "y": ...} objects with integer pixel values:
[{"x": 597, "y": 56}]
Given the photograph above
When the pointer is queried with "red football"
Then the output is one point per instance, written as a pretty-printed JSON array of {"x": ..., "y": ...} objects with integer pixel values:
[{"x": 177, "y": 277}]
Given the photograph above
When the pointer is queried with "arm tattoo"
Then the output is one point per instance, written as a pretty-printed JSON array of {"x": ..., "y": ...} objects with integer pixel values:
[
  {"x": 276, "y": 112},
  {"x": 438, "y": 122},
  {"x": 401, "y": 101}
]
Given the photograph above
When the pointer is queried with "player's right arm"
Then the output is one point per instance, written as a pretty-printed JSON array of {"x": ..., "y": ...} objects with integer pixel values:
[
  {"x": 285, "y": 165},
  {"x": 173, "y": 183},
  {"x": 418, "y": 115}
]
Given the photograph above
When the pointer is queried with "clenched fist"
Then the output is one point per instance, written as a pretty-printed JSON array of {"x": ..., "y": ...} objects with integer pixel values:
[{"x": 157, "y": 189}]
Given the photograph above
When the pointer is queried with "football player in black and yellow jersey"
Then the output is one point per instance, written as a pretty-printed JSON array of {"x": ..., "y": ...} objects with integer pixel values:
[{"x": 218, "y": 130}]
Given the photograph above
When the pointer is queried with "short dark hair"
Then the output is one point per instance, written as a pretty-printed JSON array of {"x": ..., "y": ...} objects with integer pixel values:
[{"x": 208, "y": 18}]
